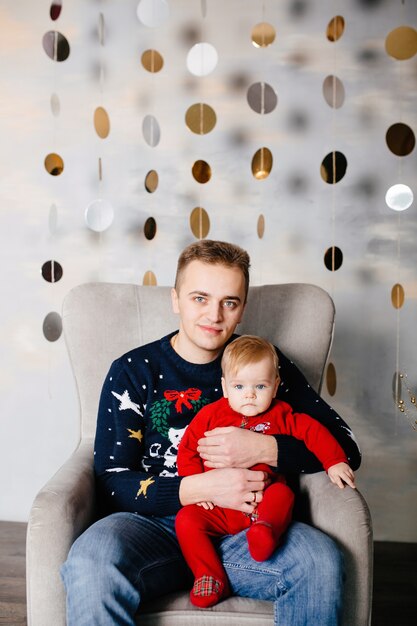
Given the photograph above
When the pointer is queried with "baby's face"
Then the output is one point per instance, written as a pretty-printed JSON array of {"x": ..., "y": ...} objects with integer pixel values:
[{"x": 251, "y": 389}]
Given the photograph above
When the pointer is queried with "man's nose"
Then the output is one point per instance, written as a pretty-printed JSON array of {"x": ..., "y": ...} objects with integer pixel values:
[{"x": 215, "y": 312}]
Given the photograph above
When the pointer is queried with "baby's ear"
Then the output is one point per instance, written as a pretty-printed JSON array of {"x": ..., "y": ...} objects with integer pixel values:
[
  {"x": 278, "y": 380},
  {"x": 224, "y": 387}
]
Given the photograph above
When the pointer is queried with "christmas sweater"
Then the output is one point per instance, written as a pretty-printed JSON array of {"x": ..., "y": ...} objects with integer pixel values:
[
  {"x": 279, "y": 419},
  {"x": 149, "y": 397}
]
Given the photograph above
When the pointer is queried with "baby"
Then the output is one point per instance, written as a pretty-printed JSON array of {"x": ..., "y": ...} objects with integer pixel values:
[{"x": 250, "y": 382}]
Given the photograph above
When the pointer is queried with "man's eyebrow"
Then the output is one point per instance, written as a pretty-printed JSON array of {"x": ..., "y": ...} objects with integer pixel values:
[{"x": 197, "y": 292}]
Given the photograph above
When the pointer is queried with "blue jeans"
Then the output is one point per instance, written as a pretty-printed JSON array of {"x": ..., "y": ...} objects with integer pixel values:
[{"x": 124, "y": 559}]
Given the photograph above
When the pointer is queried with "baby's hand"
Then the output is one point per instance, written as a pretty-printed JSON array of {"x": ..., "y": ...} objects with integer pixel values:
[
  {"x": 208, "y": 506},
  {"x": 341, "y": 474}
]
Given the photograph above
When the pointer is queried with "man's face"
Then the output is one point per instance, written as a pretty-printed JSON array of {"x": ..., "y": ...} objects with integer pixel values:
[
  {"x": 251, "y": 390},
  {"x": 210, "y": 302}
]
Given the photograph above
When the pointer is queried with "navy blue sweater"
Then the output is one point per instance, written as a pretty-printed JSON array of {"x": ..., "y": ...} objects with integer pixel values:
[{"x": 149, "y": 397}]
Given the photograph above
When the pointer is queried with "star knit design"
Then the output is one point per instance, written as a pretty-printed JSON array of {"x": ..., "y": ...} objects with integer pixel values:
[
  {"x": 135, "y": 434},
  {"x": 144, "y": 484},
  {"x": 126, "y": 403}
]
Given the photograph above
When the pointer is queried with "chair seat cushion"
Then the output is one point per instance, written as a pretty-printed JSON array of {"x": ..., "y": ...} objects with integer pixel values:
[{"x": 175, "y": 609}]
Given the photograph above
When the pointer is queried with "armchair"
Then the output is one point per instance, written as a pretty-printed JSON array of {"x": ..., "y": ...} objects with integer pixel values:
[{"x": 102, "y": 321}]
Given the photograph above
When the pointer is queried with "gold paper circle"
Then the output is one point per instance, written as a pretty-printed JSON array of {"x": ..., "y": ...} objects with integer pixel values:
[
  {"x": 262, "y": 163},
  {"x": 199, "y": 222},
  {"x": 261, "y": 226},
  {"x": 54, "y": 164},
  {"x": 397, "y": 296},
  {"x": 263, "y": 35},
  {"x": 152, "y": 61},
  {"x": 335, "y": 28},
  {"x": 201, "y": 171},
  {"x": 401, "y": 43},
  {"x": 101, "y": 122},
  {"x": 331, "y": 380},
  {"x": 200, "y": 118},
  {"x": 149, "y": 279},
  {"x": 151, "y": 181}
]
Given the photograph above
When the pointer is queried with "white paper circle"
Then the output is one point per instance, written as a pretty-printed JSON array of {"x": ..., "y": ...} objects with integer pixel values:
[
  {"x": 151, "y": 130},
  {"x": 152, "y": 13},
  {"x": 202, "y": 59},
  {"x": 55, "y": 105},
  {"x": 399, "y": 197},
  {"x": 99, "y": 215}
]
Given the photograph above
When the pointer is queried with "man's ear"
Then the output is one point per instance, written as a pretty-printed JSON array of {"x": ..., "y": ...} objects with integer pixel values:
[
  {"x": 224, "y": 388},
  {"x": 174, "y": 300}
]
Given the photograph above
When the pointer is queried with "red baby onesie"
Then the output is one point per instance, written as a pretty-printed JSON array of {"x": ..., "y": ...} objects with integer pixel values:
[{"x": 195, "y": 525}]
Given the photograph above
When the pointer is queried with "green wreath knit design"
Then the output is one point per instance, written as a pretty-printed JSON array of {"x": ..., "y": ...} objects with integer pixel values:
[{"x": 161, "y": 410}]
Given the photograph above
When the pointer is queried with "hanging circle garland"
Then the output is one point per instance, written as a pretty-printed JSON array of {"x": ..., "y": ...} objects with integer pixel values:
[
  {"x": 200, "y": 118},
  {"x": 401, "y": 43},
  {"x": 202, "y": 59},
  {"x": 399, "y": 197},
  {"x": 262, "y": 98},
  {"x": 333, "y": 258},
  {"x": 263, "y": 35},
  {"x": 56, "y": 46},
  {"x": 99, "y": 215},
  {"x": 52, "y": 326},
  {"x": 153, "y": 13}
]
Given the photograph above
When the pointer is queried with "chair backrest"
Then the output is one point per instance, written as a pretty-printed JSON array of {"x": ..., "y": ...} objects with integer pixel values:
[{"x": 102, "y": 321}]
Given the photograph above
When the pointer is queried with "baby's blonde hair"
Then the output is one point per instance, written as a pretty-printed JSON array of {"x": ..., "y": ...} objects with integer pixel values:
[{"x": 245, "y": 350}]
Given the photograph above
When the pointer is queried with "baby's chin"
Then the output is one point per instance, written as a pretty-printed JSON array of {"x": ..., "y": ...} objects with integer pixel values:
[{"x": 249, "y": 411}]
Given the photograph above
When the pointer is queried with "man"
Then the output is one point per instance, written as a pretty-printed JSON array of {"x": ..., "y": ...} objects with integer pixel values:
[{"x": 149, "y": 397}]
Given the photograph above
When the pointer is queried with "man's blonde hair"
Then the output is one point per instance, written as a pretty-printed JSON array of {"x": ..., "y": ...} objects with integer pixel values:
[
  {"x": 214, "y": 253},
  {"x": 245, "y": 350}
]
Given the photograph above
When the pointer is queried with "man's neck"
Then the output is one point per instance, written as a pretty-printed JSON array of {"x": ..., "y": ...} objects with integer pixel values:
[{"x": 192, "y": 353}]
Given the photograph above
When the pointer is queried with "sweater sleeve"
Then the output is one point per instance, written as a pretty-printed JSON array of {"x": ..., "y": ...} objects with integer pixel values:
[
  {"x": 293, "y": 455},
  {"x": 123, "y": 485},
  {"x": 316, "y": 437}
]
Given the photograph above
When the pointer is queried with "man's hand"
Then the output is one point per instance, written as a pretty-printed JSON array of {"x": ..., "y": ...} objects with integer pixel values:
[
  {"x": 230, "y": 488},
  {"x": 341, "y": 474},
  {"x": 229, "y": 446}
]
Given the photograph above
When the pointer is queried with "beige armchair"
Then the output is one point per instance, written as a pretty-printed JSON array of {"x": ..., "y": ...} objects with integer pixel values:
[{"x": 101, "y": 322}]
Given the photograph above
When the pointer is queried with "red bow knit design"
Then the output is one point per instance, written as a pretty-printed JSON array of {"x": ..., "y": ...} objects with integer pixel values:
[{"x": 182, "y": 397}]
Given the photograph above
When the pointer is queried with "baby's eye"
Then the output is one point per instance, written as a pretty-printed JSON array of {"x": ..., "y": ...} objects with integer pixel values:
[
  {"x": 239, "y": 387},
  {"x": 261, "y": 386}
]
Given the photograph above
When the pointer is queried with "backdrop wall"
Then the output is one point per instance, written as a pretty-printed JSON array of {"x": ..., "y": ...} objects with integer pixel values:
[{"x": 269, "y": 101}]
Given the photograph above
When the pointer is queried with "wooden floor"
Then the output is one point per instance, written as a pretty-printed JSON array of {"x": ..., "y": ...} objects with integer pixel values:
[{"x": 395, "y": 580}]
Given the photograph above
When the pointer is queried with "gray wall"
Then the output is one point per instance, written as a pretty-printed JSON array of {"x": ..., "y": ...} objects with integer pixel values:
[{"x": 303, "y": 215}]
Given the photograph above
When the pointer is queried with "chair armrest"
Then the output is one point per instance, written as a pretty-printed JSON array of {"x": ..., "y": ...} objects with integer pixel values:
[
  {"x": 344, "y": 515},
  {"x": 62, "y": 510}
]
